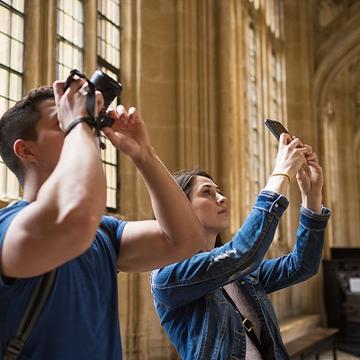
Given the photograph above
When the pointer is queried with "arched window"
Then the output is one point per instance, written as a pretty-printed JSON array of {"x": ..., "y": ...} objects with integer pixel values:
[
  {"x": 108, "y": 60},
  {"x": 11, "y": 76},
  {"x": 70, "y": 37}
]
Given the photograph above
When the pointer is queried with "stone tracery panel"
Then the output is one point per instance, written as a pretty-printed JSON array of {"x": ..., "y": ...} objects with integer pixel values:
[{"x": 340, "y": 122}]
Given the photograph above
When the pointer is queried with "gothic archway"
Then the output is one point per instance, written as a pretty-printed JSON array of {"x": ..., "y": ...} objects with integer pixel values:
[{"x": 336, "y": 112}]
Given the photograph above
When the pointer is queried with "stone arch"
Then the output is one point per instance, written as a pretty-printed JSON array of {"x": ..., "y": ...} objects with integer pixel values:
[{"x": 335, "y": 56}]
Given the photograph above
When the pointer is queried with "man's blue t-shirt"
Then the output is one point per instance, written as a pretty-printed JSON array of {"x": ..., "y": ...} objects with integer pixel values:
[{"x": 80, "y": 318}]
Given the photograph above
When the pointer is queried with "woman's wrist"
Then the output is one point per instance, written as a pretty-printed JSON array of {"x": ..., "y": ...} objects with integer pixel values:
[
  {"x": 312, "y": 202},
  {"x": 278, "y": 183}
]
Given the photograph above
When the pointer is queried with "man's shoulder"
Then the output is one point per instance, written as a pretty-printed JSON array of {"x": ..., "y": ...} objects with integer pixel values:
[
  {"x": 8, "y": 213},
  {"x": 112, "y": 223}
]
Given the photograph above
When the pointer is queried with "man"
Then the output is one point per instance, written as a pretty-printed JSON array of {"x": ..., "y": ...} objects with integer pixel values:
[{"x": 56, "y": 224}]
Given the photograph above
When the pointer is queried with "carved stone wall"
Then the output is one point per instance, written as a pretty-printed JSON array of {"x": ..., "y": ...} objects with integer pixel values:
[
  {"x": 204, "y": 75},
  {"x": 336, "y": 110}
]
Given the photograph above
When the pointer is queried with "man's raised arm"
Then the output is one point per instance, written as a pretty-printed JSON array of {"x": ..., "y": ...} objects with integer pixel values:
[{"x": 65, "y": 183}]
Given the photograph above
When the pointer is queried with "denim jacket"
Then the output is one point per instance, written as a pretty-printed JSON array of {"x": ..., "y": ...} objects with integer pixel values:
[{"x": 189, "y": 299}]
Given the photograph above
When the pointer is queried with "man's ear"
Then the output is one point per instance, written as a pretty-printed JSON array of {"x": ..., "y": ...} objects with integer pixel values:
[{"x": 22, "y": 150}]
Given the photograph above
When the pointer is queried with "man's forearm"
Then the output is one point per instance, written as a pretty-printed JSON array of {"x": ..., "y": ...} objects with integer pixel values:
[{"x": 78, "y": 181}]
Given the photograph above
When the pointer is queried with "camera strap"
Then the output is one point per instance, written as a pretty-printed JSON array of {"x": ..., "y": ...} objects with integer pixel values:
[{"x": 90, "y": 106}]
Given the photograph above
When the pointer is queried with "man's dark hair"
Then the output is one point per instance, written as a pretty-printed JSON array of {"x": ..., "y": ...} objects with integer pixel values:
[
  {"x": 19, "y": 122},
  {"x": 185, "y": 179}
]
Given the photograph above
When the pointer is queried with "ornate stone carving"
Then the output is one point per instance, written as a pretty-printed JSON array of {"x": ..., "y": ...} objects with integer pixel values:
[{"x": 328, "y": 10}]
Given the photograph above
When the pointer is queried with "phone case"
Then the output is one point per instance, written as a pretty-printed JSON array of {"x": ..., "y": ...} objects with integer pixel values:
[{"x": 276, "y": 127}]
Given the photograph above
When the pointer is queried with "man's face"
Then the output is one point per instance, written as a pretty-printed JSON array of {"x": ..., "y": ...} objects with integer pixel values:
[{"x": 50, "y": 137}]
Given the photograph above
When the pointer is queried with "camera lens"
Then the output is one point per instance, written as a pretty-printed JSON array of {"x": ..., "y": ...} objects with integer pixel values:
[{"x": 109, "y": 88}]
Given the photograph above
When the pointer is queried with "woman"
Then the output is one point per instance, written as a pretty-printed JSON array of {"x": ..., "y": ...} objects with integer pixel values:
[{"x": 215, "y": 305}]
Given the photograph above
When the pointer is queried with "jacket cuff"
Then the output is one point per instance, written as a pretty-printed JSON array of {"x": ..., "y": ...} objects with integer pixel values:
[
  {"x": 311, "y": 220},
  {"x": 272, "y": 202}
]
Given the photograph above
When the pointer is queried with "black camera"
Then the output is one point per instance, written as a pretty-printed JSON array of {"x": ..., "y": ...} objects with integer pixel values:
[{"x": 109, "y": 89}]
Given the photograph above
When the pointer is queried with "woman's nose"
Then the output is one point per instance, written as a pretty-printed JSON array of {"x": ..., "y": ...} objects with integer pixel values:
[{"x": 221, "y": 199}]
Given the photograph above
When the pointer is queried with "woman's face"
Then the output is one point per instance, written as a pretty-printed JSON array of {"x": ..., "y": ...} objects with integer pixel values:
[{"x": 209, "y": 205}]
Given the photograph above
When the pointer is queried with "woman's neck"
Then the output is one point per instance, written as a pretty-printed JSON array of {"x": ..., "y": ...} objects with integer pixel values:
[{"x": 210, "y": 241}]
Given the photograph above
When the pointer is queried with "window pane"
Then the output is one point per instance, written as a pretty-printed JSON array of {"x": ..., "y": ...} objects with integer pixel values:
[
  {"x": 4, "y": 104},
  {"x": 18, "y": 5},
  {"x": 17, "y": 27},
  {"x": 16, "y": 55},
  {"x": 15, "y": 87},
  {"x": 4, "y": 82},
  {"x": 70, "y": 31},
  {"x": 4, "y": 46},
  {"x": 108, "y": 51},
  {"x": 3, "y": 175},
  {"x": 5, "y": 20},
  {"x": 11, "y": 77}
]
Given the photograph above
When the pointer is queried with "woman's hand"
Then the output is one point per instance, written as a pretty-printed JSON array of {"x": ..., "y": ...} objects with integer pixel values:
[
  {"x": 290, "y": 158},
  {"x": 128, "y": 133},
  {"x": 291, "y": 155},
  {"x": 310, "y": 180}
]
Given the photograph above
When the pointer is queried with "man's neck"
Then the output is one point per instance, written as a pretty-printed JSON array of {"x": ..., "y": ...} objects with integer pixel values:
[{"x": 32, "y": 185}]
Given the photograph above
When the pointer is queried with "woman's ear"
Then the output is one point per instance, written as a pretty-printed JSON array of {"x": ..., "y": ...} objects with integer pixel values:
[{"x": 22, "y": 150}]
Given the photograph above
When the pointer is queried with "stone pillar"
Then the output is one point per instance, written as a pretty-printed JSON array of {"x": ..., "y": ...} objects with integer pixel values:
[{"x": 40, "y": 40}]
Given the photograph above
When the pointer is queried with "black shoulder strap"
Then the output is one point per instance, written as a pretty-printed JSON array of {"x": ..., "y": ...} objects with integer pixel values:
[
  {"x": 36, "y": 303},
  {"x": 249, "y": 330}
]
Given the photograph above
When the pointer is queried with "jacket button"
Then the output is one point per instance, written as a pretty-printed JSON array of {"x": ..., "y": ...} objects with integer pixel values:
[{"x": 242, "y": 282}]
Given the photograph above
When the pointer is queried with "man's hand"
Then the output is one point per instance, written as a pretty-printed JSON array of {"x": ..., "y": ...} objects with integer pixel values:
[
  {"x": 71, "y": 104},
  {"x": 310, "y": 180}
]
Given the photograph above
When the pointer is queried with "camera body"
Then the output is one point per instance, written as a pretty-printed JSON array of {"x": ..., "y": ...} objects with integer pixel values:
[{"x": 110, "y": 89}]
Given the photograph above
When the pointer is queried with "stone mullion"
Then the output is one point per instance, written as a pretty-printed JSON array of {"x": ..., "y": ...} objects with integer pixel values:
[
  {"x": 187, "y": 95},
  {"x": 40, "y": 37},
  {"x": 131, "y": 187},
  {"x": 269, "y": 90},
  {"x": 90, "y": 39},
  {"x": 325, "y": 117},
  {"x": 210, "y": 95},
  {"x": 252, "y": 101},
  {"x": 202, "y": 65},
  {"x": 197, "y": 120},
  {"x": 231, "y": 107}
]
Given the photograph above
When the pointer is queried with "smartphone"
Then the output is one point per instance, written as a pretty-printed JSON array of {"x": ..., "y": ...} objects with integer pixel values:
[{"x": 276, "y": 127}]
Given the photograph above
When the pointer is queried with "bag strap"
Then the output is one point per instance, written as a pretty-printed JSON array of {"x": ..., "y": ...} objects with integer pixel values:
[
  {"x": 35, "y": 305},
  {"x": 33, "y": 310},
  {"x": 248, "y": 326},
  {"x": 251, "y": 333}
]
